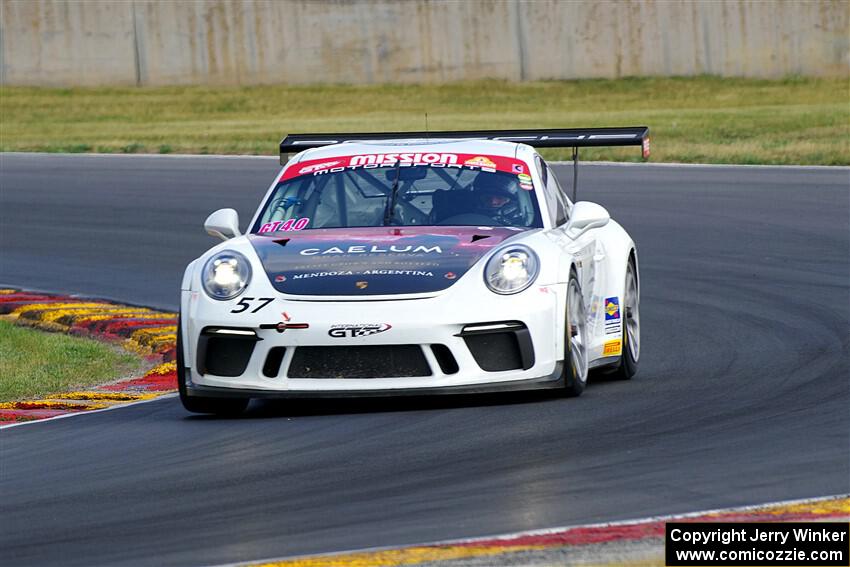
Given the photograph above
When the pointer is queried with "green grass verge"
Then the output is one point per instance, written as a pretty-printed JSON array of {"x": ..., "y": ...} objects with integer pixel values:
[
  {"x": 699, "y": 119},
  {"x": 35, "y": 363}
]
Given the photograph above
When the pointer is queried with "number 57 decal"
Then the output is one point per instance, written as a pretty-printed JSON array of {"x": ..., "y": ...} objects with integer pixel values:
[{"x": 245, "y": 304}]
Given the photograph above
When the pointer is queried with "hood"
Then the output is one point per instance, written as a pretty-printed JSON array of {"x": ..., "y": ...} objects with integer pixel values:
[{"x": 373, "y": 261}]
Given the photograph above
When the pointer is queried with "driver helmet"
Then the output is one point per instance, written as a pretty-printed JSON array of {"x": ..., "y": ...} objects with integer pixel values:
[{"x": 492, "y": 192}]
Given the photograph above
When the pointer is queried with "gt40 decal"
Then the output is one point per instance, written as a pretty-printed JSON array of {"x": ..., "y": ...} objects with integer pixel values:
[{"x": 285, "y": 226}]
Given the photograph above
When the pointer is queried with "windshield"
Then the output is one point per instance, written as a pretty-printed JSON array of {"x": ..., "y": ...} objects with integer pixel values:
[{"x": 470, "y": 193}]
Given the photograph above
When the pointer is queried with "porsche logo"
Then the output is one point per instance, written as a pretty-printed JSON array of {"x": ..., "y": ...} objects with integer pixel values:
[{"x": 362, "y": 285}]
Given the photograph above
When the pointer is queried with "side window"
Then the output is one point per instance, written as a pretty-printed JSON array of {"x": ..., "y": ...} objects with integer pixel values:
[
  {"x": 563, "y": 206},
  {"x": 555, "y": 198},
  {"x": 544, "y": 170},
  {"x": 548, "y": 194}
]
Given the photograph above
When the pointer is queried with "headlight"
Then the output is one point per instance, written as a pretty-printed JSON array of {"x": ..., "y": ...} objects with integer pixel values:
[
  {"x": 511, "y": 269},
  {"x": 226, "y": 275}
]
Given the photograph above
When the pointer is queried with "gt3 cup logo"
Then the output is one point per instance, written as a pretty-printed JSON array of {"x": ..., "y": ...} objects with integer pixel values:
[{"x": 351, "y": 331}]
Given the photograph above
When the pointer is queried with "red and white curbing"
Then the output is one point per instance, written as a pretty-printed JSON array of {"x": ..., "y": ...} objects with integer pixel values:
[
  {"x": 638, "y": 541},
  {"x": 145, "y": 332}
]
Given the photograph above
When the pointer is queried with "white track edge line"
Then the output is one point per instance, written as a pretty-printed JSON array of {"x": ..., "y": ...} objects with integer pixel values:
[
  {"x": 545, "y": 531},
  {"x": 90, "y": 412},
  {"x": 559, "y": 162}
]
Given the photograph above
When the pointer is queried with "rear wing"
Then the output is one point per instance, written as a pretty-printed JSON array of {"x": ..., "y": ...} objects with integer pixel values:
[
  {"x": 574, "y": 138},
  {"x": 548, "y": 138}
]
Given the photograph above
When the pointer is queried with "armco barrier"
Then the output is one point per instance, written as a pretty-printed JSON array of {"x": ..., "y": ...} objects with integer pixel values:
[{"x": 151, "y": 42}]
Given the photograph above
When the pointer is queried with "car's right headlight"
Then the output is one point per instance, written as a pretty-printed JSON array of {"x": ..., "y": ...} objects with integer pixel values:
[
  {"x": 226, "y": 275},
  {"x": 511, "y": 269}
]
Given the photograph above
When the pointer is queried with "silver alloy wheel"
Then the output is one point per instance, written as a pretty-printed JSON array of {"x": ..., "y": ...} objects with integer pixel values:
[
  {"x": 632, "y": 313},
  {"x": 578, "y": 331}
]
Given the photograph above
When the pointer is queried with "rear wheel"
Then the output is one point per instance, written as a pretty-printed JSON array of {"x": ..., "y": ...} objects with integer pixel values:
[
  {"x": 631, "y": 326},
  {"x": 575, "y": 340},
  {"x": 196, "y": 404}
]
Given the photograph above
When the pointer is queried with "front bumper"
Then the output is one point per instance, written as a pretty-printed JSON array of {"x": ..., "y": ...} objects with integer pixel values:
[
  {"x": 423, "y": 322},
  {"x": 553, "y": 381}
]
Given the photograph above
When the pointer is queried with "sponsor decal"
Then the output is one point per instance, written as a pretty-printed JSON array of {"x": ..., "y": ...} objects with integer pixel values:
[
  {"x": 526, "y": 186},
  {"x": 361, "y": 285},
  {"x": 450, "y": 275},
  {"x": 377, "y": 272},
  {"x": 374, "y": 249},
  {"x": 369, "y": 161},
  {"x": 524, "y": 178},
  {"x": 392, "y": 159},
  {"x": 612, "y": 308},
  {"x": 316, "y": 167},
  {"x": 612, "y": 348},
  {"x": 414, "y": 261},
  {"x": 419, "y": 273},
  {"x": 323, "y": 274},
  {"x": 359, "y": 330},
  {"x": 612, "y": 328},
  {"x": 645, "y": 148},
  {"x": 480, "y": 161},
  {"x": 285, "y": 316},
  {"x": 280, "y": 279},
  {"x": 285, "y": 226}
]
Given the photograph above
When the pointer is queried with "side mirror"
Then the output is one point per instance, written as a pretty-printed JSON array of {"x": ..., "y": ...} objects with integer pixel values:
[
  {"x": 586, "y": 215},
  {"x": 224, "y": 224}
]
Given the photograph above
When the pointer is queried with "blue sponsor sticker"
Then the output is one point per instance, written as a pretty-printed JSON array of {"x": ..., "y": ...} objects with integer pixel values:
[{"x": 612, "y": 308}]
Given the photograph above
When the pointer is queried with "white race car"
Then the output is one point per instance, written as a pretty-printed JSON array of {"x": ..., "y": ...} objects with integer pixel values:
[{"x": 411, "y": 263}]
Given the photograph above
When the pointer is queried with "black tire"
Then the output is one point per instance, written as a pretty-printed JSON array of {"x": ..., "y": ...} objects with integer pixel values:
[
  {"x": 630, "y": 357},
  {"x": 574, "y": 372},
  {"x": 196, "y": 404}
]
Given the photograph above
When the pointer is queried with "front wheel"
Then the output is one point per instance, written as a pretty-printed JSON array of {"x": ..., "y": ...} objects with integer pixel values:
[
  {"x": 195, "y": 404},
  {"x": 575, "y": 340}
]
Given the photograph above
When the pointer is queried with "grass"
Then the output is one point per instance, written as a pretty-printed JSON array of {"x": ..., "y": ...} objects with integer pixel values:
[
  {"x": 35, "y": 364},
  {"x": 699, "y": 119}
]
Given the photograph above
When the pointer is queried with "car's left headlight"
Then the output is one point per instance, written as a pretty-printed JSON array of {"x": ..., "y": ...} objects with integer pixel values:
[
  {"x": 226, "y": 275},
  {"x": 511, "y": 269}
]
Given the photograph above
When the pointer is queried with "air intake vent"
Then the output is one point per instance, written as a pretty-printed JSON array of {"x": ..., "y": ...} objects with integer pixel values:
[
  {"x": 379, "y": 361},
  {"x": 272, "y": 366},
  {"x": 445, "y": 359},
  {"x": 500, "y": 345},
  {"x": 225, "y": 352}
]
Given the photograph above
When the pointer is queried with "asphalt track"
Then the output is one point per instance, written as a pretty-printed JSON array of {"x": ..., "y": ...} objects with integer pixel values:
[{"x": 742, "y": 397}]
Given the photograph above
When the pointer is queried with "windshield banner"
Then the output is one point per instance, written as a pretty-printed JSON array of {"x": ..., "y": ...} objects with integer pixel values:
[{"x": 369, "y": 161}]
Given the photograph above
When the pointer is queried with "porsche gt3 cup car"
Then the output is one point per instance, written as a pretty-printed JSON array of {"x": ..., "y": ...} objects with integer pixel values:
[{"x": 411, "y": 263}]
